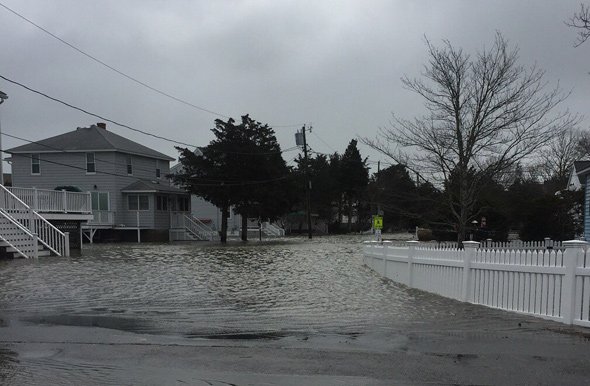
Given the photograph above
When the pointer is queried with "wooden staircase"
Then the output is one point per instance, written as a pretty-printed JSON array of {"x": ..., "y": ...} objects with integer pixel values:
[{"x": 24, "y": 233}]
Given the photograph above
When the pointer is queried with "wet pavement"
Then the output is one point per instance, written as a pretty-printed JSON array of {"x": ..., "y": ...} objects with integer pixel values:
[{"x": 286, "y": 312}]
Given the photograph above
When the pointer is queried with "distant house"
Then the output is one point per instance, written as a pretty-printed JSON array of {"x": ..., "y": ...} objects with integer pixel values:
[
  {"x": 127, "y": 182},
  {"x": 573, "y": 182},
  {"x": 578, "y": 180}
]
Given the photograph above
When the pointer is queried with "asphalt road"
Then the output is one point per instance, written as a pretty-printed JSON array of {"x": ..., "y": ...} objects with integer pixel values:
[{"x": 536, "y": 352}]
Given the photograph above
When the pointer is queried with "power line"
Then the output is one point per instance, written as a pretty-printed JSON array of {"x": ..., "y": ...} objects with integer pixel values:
[
  {"x": 324, "y": 142},
  {"x": 121, "y": 124},
  {"x": 218, "y": 183},
  {"x": 131, "y": 78},
  {"x": 221, "y": 182}
]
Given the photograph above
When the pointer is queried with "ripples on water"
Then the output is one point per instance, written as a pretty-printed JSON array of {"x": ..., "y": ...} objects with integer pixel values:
[{"x": 204, "y": 290}]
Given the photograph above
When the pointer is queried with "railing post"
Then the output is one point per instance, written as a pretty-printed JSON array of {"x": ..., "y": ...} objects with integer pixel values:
[
  {"x": 35, "y": 246},
  {"x": 470, "y": 248},
  {"x": 64, "y": 200},
  {"x": 67, "y": 244},
  {"x": 574, "y": 251},
  {"x": 412, "y": 244},
  {"x": 32, "y": 221},
  {"x": 35, "y": 203}
]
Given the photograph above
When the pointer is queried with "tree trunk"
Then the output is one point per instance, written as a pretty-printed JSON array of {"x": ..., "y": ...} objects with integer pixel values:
[
  {"x": 224, "y": 216},
  {"x": 349, "y": 215},
  {"x": 244, "y": 227},
  {"x": 340, "y": 212}
]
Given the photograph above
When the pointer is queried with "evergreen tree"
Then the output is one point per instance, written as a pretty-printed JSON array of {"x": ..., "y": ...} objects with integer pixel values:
[
  {"x": 354, "y": 178},
  {"x": 243, "y": 167}
]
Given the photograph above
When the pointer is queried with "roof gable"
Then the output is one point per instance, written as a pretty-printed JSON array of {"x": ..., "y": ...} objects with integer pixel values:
[{"x": 84, "y": 139}]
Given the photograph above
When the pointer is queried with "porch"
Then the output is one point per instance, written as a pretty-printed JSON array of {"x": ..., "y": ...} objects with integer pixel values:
[{"x": 56, "y": 204}]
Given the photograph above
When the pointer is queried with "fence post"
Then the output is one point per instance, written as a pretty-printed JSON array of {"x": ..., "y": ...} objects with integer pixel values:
[
  {"x": 384, "y": 244},
  {"x": 67, "y": 244},
  {"x": 574, "y": 249},
  {"x": 470, "y": 247},
  {"x": 412, "y": 244}
]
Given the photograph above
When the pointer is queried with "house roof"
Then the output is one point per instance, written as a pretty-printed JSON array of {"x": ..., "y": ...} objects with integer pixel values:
[
  {"x": 85, "y": 139},
  {"x": 142, "y": 186}
]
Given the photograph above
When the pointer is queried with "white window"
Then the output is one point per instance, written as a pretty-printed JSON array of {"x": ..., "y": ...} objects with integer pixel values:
[
  {"x": 138, "y": 202},
  {"x": 129, "y": 166},
  {"x": 158, "y": 171},
  {"x": 100, "y": 200},
  {"x": 35, "y": 164},
  {"x": 90, "y": 164}
]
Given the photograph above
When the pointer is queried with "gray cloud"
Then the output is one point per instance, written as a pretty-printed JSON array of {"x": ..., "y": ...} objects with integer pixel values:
[{"x": 334, "y": 63}]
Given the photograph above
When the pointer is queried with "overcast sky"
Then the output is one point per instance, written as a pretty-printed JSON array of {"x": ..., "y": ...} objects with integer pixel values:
[{"x": 334, "y": 64}]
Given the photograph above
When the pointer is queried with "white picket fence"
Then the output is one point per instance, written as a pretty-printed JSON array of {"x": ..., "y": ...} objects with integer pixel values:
[
  {"x": 547, "y": 243},
  {"x": 551, "y": 283}
]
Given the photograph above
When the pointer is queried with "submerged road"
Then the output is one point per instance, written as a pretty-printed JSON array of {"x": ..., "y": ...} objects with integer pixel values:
[{"x": 277, "y": 313}]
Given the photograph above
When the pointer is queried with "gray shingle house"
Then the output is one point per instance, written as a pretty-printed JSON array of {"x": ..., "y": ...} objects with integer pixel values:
[{"x": 127, "y": 181}]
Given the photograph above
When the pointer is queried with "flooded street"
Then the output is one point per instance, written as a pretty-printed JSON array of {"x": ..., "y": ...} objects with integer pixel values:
[{"x": 258, "y": 313}]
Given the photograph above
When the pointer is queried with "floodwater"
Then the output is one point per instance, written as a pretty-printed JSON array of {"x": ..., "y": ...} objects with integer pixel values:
[
  {"x": 274, "y": 288},
  {"x": 293, "y": 293}
]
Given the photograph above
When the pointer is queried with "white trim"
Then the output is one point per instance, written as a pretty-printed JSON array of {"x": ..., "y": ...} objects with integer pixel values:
[
  {"x": 129, "y": 162},
  {"x": 38, "y": 164},
  {"x": 93, "y": 162}
]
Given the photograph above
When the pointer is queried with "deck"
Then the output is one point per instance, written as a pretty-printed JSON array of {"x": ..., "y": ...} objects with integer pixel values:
[{"x": 56, "y": 204}]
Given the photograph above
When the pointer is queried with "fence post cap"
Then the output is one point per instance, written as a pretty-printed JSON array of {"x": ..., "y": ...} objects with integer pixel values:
[
  {"x": 470, "y": 244},
  {"x": 574, "y": 243}
]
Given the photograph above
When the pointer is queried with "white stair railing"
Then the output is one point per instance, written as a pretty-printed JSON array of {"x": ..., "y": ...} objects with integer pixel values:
[
  {"x": 199, "y": 228},
  {"x": 51, "y": 237},
  {"x": 272, "y": 230},
  {"x": 17, "y": 236}
]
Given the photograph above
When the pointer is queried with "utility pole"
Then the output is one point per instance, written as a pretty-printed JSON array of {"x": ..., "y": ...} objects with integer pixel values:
[
  {"x": 301, "y": 140},
  {"x": 308, "y": 184},
  {"x": 379, "y": 213}
]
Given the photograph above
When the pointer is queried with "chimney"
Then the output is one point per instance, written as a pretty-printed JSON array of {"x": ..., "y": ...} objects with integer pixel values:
[{"x": 102, "y": 125}]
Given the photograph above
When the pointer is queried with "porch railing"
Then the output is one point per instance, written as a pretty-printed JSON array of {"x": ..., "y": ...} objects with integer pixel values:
[
  {"x": 60, "y": 201},
  {"x": 54, "y": 239}
]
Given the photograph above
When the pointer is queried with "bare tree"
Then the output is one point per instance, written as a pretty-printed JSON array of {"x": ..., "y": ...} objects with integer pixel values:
[
  {"x": 584, "y": 144},
  {"x": 581, "y": 22},
  {"x": 484, "y": 115},
  {"x": 558, "y": 157}
]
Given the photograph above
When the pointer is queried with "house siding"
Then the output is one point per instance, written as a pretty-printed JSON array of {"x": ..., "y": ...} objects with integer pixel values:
[
  {"x": 69, "y": 168},
  {"x": 58, "y": 169},
  {"x": 202, "y": 209}
]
